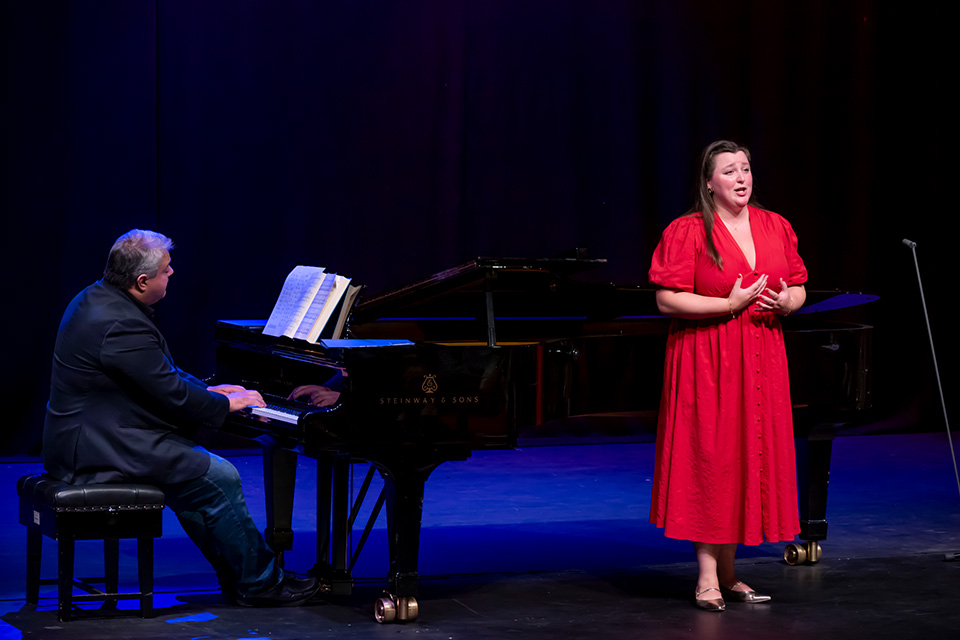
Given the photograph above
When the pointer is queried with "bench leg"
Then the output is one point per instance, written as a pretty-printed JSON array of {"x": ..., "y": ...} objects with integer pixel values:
[
  {"x": 65, "y": 557},
  {"x": 111, "y": 570},
  {"x": 145, "y": 574},
  {"x": 34, "y": 549}
]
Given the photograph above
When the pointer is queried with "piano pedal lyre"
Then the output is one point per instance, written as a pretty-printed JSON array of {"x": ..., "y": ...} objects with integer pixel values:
[
  {"x": 393, "y": 609},
  {"x": 808, "y": 552}
]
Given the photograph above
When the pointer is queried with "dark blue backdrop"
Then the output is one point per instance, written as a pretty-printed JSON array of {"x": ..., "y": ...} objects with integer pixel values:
[{"x": 391, "y": 139}]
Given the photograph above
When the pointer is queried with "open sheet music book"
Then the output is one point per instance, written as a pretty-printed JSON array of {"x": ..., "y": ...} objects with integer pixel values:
[{"x": 312, "y": 304}]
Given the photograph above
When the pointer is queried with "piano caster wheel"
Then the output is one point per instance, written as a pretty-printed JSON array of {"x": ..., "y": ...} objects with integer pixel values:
[
  {"x": 808, "y": 552},
  {"x": 384, "y": 611},
  {"x": 392, "y": 609},
  {"x": 794, "y": 554},
  {"x": 407, "y": 609}
]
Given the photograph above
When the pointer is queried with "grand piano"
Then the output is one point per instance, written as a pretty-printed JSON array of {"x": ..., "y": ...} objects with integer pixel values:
[{"x": 482, "y": 356}]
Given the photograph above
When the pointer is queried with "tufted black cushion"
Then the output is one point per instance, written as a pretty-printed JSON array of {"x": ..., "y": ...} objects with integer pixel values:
[{"x": 60, "y": 496}]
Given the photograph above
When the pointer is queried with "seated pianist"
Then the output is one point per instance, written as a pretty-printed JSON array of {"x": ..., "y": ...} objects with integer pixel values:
[{"x": 121, "y": 411}]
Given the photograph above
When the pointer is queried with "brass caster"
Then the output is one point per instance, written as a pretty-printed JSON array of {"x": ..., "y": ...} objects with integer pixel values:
[
  {"x": 407, "y": 609},
  {"x": 814, "y": 552},
  {"x": 795, "y": 554},
  {"x": 393, "y": 609},
  {"x": 384, "y": 610}
]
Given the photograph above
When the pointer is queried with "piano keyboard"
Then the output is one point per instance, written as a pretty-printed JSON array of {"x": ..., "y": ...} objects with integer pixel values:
[{"x": 277, "y": 412}]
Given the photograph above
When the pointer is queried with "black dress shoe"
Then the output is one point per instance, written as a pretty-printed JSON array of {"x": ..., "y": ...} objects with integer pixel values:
[{"x": 291, "y": 592}]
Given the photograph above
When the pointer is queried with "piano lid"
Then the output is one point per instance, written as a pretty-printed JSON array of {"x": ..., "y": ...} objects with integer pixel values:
[
  {"x": 485, "y": 291},
  {"x": 536, "y": 288},
  {"x": 460, "y": 290}
]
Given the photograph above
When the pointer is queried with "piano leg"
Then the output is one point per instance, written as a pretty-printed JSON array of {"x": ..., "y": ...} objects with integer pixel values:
[
  {"x": 404, "y": 493},
  {"x": 404, "y": 517},
  {"x": 404, "y": 478},
  {"x": 279, "y": 478},
  {"x": 333, "y": 495},
  {"x": 813, "y": 479}
]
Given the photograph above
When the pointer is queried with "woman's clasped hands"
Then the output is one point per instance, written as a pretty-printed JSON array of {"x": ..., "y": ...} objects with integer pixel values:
[{"x": 767, "y": 299}]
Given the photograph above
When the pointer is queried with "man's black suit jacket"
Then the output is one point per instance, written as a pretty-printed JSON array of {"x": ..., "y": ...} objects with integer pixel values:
[{"x": 119, "y": 409}]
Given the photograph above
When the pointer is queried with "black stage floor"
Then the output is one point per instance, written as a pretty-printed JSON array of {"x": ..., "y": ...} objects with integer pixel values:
[{"x": 552, "y": 542}]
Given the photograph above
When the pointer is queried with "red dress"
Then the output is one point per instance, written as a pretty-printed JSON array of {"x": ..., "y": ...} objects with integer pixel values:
[{"x": 725, "y": 466}]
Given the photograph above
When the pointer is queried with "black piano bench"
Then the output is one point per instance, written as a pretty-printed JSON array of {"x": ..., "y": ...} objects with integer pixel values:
[{"x": 107, "y": 512}]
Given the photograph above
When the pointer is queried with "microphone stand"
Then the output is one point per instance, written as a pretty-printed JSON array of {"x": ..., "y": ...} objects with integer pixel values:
[{"x": 936, "y": 370}]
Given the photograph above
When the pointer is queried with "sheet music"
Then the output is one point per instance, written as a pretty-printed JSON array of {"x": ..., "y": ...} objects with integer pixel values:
[
  {"x": 338, "y": 288},
  {"x": 314, "y": 312},
  {"x": 299, "y": 290},
  {"x": 308, "y": 301},
  {"x": 349, "y": 297}
]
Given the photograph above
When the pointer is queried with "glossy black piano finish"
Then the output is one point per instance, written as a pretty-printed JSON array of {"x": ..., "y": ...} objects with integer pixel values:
[
  {"x": 404, "y": 409},
  {"x": 502, "y": 351},
  {"x": 414, "y": 394}
]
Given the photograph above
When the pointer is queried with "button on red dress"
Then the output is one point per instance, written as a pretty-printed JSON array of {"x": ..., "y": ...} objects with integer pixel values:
[{"x": 725, "y": 463}]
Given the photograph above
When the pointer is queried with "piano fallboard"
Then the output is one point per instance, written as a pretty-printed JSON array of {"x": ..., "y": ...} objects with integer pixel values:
[{"x": 391, "y": 396}]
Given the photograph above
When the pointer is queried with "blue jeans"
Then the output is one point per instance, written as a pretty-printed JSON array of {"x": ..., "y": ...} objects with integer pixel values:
[{"x": 214, "y": 514}]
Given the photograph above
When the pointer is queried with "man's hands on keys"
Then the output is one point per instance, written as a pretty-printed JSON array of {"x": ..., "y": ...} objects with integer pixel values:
[
  {"x": 315, "y": 394},
  {"x": 239, "y": 397}
]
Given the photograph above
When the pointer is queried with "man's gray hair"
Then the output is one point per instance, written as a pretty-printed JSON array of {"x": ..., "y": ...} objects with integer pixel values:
[{"x": 135, "y": 252}]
